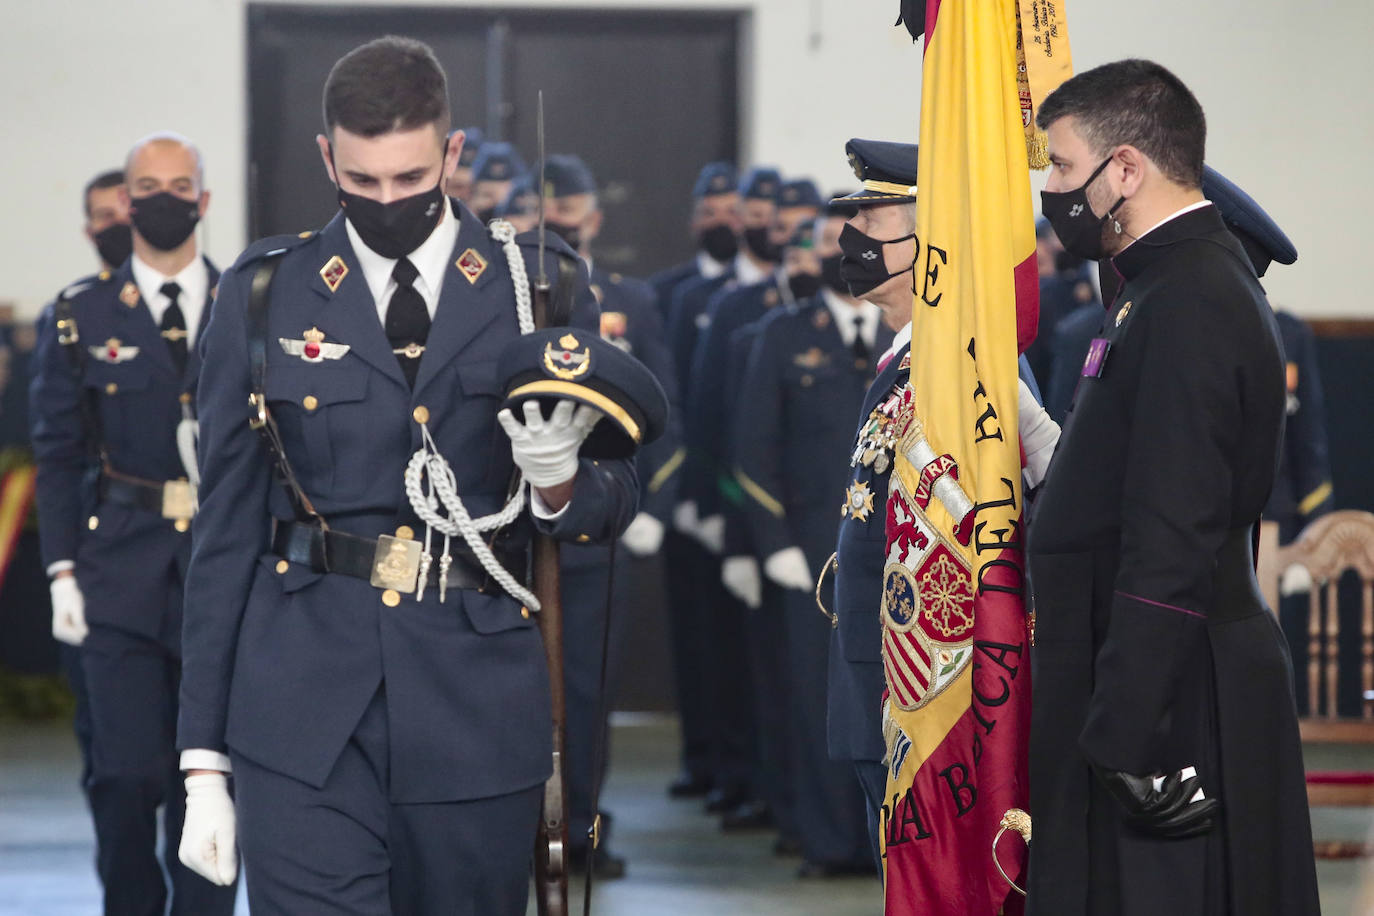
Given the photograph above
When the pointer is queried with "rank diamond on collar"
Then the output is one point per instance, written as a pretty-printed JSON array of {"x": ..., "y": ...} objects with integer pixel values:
[
  {"x": 471, "y": 264},
  {"x": 129, "y": 295},
  {"x": 333, "y": 272}
]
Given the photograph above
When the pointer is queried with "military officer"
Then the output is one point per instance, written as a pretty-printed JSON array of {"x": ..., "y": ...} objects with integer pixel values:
[
  {"x": 361, "y": 653},
  {"x": 805, "y": 383},
  {"x": 107, "y": 218},
  {"x": 113, "y": 434},
  {"x": 715, "y": 226},
  {"x": 1165, "y": 764},
  {"x": 630, "y": 320},
  {"x": 494, "y": 170},
  {"x": 521, "y": 206},
  {"x": 459, "y": 184}
]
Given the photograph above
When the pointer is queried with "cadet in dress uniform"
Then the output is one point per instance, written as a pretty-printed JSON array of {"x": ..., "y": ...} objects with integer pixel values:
[
  {"x": 1155, "y": 657},
  {"x": 715, "y": 226},
  {"x": 883, "y": 226},
  {"x": 111, "y": 405},
  {"x": 388, "y": 743},
  {"x": 521, "y": 206},
  {"x": 811, "y": 365},
  {"x": 629, "y": 319},
  {"x": 494, "y": 170},
  {"x": 459, "y": 184}
]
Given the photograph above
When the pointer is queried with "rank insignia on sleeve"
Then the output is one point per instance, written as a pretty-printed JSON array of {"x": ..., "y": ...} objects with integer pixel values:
[
  {"x": 567, "y": 363},
  {"x": 112, "y": 351},
  {"x": 813, "y": 358},
  {"x": 471, "y": 264},
  {"x": 129, "y": 295},
  {"x": 858, "y": 502},
  {"x": 613, "y": 324},
  {"x": 312, "y": 347},
  {"x": 333, "y": 272},
  {"x": 1121, "y": 315}
]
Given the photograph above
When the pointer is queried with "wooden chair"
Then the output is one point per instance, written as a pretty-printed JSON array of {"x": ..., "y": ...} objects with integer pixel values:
[{"x": 1328, "y": 547}]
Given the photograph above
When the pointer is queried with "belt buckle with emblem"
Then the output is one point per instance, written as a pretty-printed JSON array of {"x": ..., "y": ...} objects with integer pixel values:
[
  {"x": 178, "y": 500},
  {"x": 396, "y": 565}
]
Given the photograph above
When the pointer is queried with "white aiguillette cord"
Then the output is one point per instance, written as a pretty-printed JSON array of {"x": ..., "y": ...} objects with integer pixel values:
[{"x": 430, "y": 482}]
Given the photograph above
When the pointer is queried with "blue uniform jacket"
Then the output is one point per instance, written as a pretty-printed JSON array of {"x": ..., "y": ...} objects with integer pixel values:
[
  {"x": 281, "y": 661},
  {"x": 127, "y": 560},
  {"x": 1302, "y": 488},
  {"x": 665, "y": 281},
  {"x": 856, "y": 670}
]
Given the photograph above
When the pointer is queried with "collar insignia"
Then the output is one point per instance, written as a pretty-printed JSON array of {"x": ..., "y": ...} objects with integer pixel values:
[
  {"x": 770, "y": 298},
  {"x": 312, "y": 348},
  {"x": 333, "y": 272},
  {"x": 613, "y": 325},
  {"x": 821, "y": 319},
  {"x": 129, "y": 295},
  {"x": 471, "y": 264}
]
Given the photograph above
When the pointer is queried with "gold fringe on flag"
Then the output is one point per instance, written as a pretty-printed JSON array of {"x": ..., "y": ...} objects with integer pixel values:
[{"x": 1043, "y": 61}]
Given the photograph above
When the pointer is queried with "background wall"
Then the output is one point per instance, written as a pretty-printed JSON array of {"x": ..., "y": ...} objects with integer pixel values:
[{"x": 1285, "y": 88}]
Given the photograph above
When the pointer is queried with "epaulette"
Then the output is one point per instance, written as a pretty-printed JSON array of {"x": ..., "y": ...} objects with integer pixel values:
[
  {"x": 272, "y": 245},
  {"x": 552, "y": 242},
  {"x": 72, "y": 290}
]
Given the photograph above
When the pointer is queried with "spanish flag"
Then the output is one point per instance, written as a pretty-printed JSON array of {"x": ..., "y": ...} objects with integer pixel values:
[{"x": 955, "y": 631}]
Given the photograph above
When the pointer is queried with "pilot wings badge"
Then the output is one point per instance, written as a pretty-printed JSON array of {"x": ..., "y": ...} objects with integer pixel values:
[
  {"x": 312, "y": 348},
  {"x": 567, "y": 363},
  {"x": 112, "y": 351}
]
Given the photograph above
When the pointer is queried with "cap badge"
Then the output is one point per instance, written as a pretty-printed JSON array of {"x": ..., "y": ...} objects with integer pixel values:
[
  {"x": 857, "y": 166},
  {"x": 471, "y": 264},
  {"x": 333, "y": 272},
  {"x": 112, "y": 351},
  {"x": 129, "y": 295},
  {"x": 566, "y": 363},
  {"x": 312, "y": 347}
]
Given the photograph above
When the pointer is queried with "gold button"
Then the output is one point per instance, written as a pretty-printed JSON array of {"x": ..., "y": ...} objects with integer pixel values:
[
  {"x": 182, "y": 525},
  {"x": 311, "y": 402},
  {"x": 92, "y": 523},
  {"x": 525, "y": 613},
  {"x": 421, "y": 414},
  {"x": 405, "y": 533},
  {"x": 583, "y": 538},
  {"x": 111, "y": 388},
  {"x": 185, "y": 397},
  {"x": 391, "y": 597},
  {"x": 305, "y": 235},
  {"x": 282, "y": 567}
]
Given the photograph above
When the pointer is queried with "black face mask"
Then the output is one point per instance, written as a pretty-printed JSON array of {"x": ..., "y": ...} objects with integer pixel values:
[
  {"x": 164, "y": 220},
  {"x": 396, "y": 229},
  {"x": 762, "y": 247},
  {"x": 719, "y": 243},
  {"x": 1078, "y": 228},
  {"x": 830, "y": 273},
  {"x": 570, "y": 234},
  {"x": 115, "y": 243},
  {"x": 863, "y": 268},
  {"x": 804, "y": 286}
]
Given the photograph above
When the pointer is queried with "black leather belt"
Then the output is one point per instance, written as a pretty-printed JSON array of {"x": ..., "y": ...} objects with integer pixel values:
[
  {"x": 173, "y": 499},
  {"x": 383, "y": 561}
]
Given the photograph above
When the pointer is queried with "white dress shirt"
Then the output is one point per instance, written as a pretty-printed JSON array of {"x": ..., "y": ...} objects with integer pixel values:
[
  {"x": 194, "y": 280},
  {"x": 845, "y": 314},
  {"x": 746, "y": 273},
  {"x": 430, "y": 259},
  {"x": 708, "y": 266},
  {"x": 1172, "y": 216}
]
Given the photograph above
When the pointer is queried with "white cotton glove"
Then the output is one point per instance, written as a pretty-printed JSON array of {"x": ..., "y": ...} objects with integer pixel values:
[
  {"x": 546, "y": 450},
  {"x": 644, "y": 536},
  {"x": 1296, "y": 580},
  {"x": 68, "y": 611},
  {"x": 741, "y": 578},
  {"x": 788, "y": 568},
  {"x": 711, "y": 533},
  {"x": 1039, "y": 436},
  {"x": 207, "y": 837},
  {"x": 685, "y": 518}
]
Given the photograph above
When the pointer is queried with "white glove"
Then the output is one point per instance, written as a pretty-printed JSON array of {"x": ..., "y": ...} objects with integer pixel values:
[
  {"x": 1039, "y": 436},
  {"x": 207, "y": 837},
  {"x": 788, "y": 568},
  {"x": 546, "y": 450},
  {"x": 685, "y": 518},
  {"x": 644, "y": 536},
  {"x": 741, "y": 578},
  {"x": 68, "y": 611},
  {"x": 711, "y": 533},
  {"x": 1296, "y": 580}
]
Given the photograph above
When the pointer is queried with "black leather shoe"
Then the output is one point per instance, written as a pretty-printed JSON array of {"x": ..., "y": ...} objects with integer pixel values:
[
  {"x": 752, "y": 815},
  {"x": 720, "y": 799},
  {"x": 605, "y": 865},
  {"x": 787, "y": 846},
  {"x": 689, "y": 786},
  {"x": 810, "y": 870}
]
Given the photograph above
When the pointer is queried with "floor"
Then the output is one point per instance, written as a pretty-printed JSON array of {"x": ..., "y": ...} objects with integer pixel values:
[{"x": 679, "y": 862}]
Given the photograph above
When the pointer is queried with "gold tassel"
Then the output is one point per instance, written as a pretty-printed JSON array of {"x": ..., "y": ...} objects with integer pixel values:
[{"x": 1038, "y": 149}]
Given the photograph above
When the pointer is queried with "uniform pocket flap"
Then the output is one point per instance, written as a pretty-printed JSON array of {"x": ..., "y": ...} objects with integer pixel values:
[
  {"x": 112, "y": 379},
  {"x": 479, "y": 378},
  {"x": 494, "y": 613},
  {"x": 324, "y": 385},
  {"x": 291, "y": 576}
]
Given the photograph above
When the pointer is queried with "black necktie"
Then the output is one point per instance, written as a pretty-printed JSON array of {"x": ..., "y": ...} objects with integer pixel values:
[
  {"x": 407, "y": 320},
  {"x": 860, "y": 348},
  {"x": 174, "y": 326}
]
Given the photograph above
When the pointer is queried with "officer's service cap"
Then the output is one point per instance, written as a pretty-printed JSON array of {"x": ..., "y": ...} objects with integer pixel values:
[
  {"x": 497, "y": 161},
  {"x": 1264, "y": 241},
  {"x": 521, "y": 200},
  {"x": 566, "y": 175},
  {"x": 472, "y": 143},
  {"x": 715, "y": 178},
  {"x": 887, "y": 170},
  {"x": 839, "y": 205},
  {"x": 760, "y": 183},
  {"x": 799, "y": 192},
  {"x": 574, "y": 364}
]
